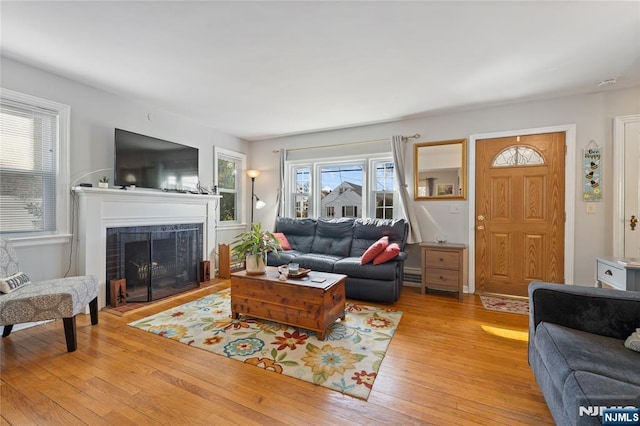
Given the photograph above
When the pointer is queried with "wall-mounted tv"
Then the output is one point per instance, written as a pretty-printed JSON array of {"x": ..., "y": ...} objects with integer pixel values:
[{"x": 148, "y": 162}]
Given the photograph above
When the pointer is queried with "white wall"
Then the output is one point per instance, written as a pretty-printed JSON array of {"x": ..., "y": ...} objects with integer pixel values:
[
  {"x": 94, "y": 115},
  {"x": 592, "y": 115}
]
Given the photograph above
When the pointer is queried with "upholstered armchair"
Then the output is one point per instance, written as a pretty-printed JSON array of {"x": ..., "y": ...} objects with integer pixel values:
[{"x": 22, "y": 301}]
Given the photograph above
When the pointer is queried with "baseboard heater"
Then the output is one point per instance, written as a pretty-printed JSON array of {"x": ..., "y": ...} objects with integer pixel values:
[{"x": 412, "y": 277}]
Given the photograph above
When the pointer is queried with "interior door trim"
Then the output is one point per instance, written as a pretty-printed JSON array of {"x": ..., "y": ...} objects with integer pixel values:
[
  {"x": 569, "y": 194},
  {"x": 618, "y": 181}
]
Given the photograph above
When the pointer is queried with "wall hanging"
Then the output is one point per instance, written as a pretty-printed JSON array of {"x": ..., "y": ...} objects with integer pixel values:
[{"x": 592, "y": 172}]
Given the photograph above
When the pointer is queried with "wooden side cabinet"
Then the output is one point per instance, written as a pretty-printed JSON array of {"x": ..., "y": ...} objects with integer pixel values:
[{"x": 444, "y": 267}]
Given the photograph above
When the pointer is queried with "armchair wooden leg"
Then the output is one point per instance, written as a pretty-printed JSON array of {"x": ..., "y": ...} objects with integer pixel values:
[
  {"x": 7, "y": 330},
  {"x": 70, "y": 333},
  {"x": 93, "y": 309}
]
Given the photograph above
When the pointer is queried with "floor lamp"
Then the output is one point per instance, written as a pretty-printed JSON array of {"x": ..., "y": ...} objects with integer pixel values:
[{"x": 253, "y": 174}]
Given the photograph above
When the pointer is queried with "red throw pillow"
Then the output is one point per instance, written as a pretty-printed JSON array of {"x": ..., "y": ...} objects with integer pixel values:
[
  {"x": 283, "y": 240},
  {"x": 374, "y": 250},
  {"x": 389, "y": 253}
]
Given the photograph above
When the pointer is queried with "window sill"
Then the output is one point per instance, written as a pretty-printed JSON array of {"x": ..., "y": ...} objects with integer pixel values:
[
  {"x": 38, "y": 240},
  {"x": 231, "y": 226}
]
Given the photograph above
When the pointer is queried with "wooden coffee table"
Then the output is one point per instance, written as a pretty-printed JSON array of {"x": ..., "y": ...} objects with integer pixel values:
[{"x": 298, "y": 302}]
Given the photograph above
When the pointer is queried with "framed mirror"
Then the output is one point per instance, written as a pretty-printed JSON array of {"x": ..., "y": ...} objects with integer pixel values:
[{"x": 440, "y": 170}]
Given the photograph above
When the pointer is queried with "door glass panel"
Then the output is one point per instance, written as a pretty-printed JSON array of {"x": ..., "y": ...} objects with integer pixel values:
[{"x": 518, "y": 156}]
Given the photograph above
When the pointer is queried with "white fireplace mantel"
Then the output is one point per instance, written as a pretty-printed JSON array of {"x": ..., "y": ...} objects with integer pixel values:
[{"x": 99, "y": 209}]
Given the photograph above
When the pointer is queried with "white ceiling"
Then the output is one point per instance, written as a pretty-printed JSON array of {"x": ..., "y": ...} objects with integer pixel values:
[{"x": 264, "y": 69}]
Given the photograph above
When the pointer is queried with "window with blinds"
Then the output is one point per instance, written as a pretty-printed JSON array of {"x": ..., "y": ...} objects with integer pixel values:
[{"x": 28, "y": 167}]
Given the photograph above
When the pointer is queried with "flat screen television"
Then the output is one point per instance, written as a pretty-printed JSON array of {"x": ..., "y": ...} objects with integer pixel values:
[{"x": 148, "y": 162}]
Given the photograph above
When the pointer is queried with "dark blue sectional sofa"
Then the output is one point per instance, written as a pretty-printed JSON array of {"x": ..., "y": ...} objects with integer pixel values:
[{"x": 336, "y": 245}]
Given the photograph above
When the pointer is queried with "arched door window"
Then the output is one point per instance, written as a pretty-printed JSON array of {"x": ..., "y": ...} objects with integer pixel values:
[{"x": 518, "y": 156}]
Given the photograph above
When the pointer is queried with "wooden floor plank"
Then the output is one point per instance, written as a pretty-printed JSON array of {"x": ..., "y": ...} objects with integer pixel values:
[{"x": 443, "y": 366}]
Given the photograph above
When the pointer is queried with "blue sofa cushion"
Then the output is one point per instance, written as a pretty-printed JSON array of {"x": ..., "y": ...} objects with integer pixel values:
[
  {"x": 299, "y": 232},
  {"x": 286, "y": 256},
  {"x": 368, "y": 231},
  {"x": 333, "y": 236},
  {"x": 587, "y": 309},
  {"x": 351, "y": 266},
  {"x": 587, "y": 389},
  {"x": 565, "y": 350},
  {"x": 317, "y": 262}
]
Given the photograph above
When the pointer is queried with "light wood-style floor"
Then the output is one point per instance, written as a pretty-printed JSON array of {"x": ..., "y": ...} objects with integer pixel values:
[{"x": 449, "y": 362}]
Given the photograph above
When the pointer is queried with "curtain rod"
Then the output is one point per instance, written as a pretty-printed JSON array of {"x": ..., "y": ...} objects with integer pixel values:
[{"x": 416, "y": 136}]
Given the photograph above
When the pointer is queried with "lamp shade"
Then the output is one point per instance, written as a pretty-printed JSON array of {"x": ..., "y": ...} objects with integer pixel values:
[
  {"x": 253, "y": 173},
  {"x": 260, "y": 204}
]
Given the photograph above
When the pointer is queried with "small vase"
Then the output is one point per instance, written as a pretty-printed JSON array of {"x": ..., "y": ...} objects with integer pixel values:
[
  {"x": 253, "y": 267},
  {"x": 103, "y": 184}
]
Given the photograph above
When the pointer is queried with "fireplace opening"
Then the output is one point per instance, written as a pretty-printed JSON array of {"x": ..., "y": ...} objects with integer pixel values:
[{"x": 155, "y": 261}]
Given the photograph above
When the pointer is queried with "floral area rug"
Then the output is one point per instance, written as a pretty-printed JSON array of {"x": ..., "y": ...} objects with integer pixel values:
[
  {"x": 347, "y": 360},
  {"x": 503, "y": 304}
]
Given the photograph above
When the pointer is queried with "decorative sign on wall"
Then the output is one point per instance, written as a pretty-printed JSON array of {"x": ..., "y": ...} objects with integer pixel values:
[{"x": 591, "y": 173}]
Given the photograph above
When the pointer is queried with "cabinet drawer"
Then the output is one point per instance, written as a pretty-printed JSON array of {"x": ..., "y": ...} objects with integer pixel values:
[
  {"x": 612, "y": 275},
  {"x": 442, "y": 279},
  {"x": 442, "y": 259}
]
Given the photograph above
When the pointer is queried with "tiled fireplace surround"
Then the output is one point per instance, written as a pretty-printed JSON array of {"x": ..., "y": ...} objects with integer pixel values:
[
  {"x": 156, "y": 261},
  {"x": 100, "y": 209}
]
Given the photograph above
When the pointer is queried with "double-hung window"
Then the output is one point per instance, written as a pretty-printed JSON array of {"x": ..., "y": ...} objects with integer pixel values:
[
  {"x": 228, "y": 170},
  {"x": 382, "y": 189},
  {"x": 33, "y": 165},
  {"x": 301, "y": 191}
]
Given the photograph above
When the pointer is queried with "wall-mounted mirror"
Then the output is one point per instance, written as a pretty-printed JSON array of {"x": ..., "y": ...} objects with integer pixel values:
[{"x": 440, "y": 169}]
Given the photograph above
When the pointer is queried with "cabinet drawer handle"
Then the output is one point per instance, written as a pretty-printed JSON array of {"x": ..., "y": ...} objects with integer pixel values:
[
  {"x": 441, "y": 260},
  {"x": 608, "y": 272},
  {"x": 442, "y": 278}
]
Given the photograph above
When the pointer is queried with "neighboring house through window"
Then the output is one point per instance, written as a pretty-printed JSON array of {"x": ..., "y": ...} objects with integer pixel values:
[
  {"x": 330, "y": 211},
  {"x": 34, "y": 175},
  {"x": 341, "y": 188}
]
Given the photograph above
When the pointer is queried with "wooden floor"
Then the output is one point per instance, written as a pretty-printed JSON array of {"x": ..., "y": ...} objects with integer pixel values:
[{"x": 449, "y": 363}]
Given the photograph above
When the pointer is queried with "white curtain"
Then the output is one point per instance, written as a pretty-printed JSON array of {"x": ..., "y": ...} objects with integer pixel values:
[
  {"x": 397, "y": 147},
  {"x": 281, "y": 195}
]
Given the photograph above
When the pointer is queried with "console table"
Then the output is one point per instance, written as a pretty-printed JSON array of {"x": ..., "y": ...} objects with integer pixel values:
[
  {"x": 444, "y": 267},
  {"x": 613, "y": 274}
]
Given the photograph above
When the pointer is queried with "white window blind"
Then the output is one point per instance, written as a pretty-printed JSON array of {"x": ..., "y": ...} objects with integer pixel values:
[{"x": 28, "y": 167}]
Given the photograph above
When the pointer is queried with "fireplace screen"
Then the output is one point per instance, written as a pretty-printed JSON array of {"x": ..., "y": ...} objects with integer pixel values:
[{"x": 156, "y": 262}]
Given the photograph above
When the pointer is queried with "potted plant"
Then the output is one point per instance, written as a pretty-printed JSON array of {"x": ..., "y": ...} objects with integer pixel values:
[
  {"x": 253, "y": 246},
  {"x": 103, "y": 182}
]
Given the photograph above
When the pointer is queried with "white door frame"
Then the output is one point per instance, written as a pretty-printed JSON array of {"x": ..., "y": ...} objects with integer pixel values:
[
  {"x": 618, "y": 181},
  {"x": 569, "y": 194}
]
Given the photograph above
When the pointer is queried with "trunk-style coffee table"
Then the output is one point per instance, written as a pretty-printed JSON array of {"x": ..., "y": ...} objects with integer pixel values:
[{"x": 299, "y": 302}]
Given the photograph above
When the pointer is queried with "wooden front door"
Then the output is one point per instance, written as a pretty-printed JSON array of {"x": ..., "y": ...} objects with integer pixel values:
[{"x": 520, "y": 212}]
